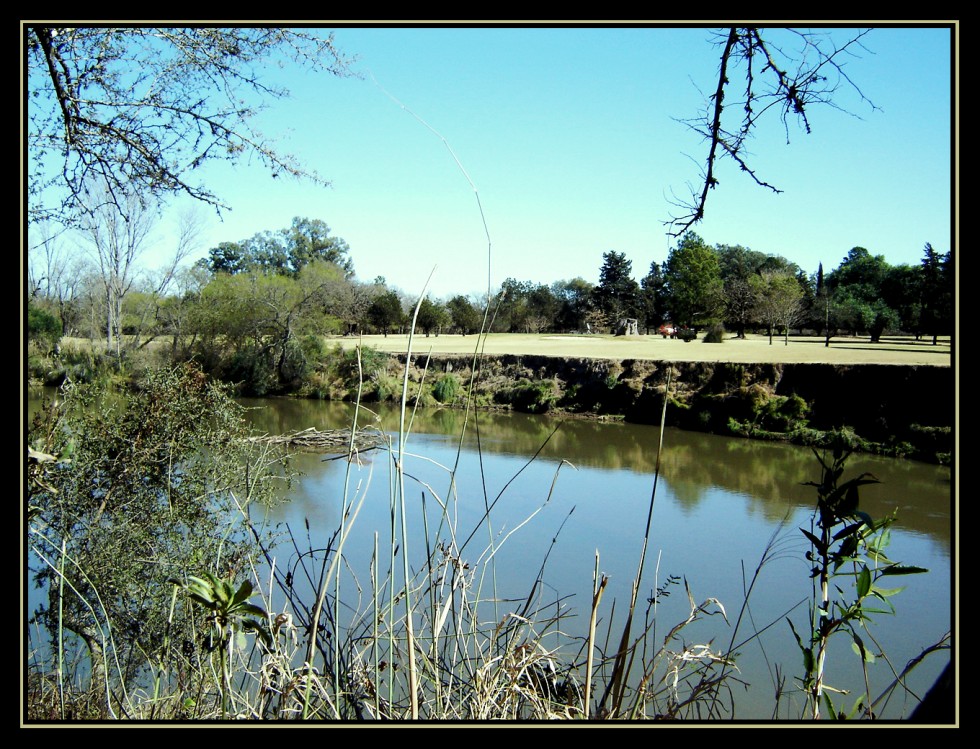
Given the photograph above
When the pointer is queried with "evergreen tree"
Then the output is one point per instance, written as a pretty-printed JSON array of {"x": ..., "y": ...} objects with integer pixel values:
[
  {"x": 617, "y": 295},
  {"x": 937, "y": 293},
  {"x": 652, "y": 298}
]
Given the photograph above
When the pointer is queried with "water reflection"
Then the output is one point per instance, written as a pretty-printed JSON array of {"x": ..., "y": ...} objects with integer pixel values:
[
  {"x": 694, "y": 465},
  {"x": 720, "y": 502}
]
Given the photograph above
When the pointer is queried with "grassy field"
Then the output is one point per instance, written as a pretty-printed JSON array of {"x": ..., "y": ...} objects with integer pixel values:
[{"x": 754, "y": 349}]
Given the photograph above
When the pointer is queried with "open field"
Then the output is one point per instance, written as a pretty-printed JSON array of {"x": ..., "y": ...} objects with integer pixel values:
[{"x": 754, "y": 349}]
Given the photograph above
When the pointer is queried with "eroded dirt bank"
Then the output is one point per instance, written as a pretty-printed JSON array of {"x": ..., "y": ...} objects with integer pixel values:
[{"x": 893, "y": 409}]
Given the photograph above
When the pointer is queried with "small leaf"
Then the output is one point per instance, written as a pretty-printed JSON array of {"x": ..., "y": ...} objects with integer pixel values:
[
  {"x": 857, "y": 645},
  {"x": 243, "y": 593},
  {"x": 831, "y": 712},
  {"x": 886, "y": 592},
  {"x": 865, "y": 517},
  {"x": 818, "y": 544},
  {"x": 863, "y": 582},
  {"x": 847, "y": 531},
  {"x": 902, "y": 569}
]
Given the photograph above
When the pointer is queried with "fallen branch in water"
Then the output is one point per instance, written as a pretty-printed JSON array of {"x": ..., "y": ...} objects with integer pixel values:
[{"x": 328, "y": 441}]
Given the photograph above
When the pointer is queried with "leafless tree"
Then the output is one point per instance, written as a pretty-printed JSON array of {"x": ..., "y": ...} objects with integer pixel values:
[
  {"x": 759, "y": 79},
  {"x": 117, "y": 232},
  {"x": 139, "y": 108}
]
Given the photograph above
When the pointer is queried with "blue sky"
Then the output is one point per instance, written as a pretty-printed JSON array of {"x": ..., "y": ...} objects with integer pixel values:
[{"x": 571, "y": 139}]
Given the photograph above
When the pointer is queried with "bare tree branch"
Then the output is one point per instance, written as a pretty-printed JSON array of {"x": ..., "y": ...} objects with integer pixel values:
[
  {"x": 773, "y": 80},
  {"x": 139, "y": 109}
]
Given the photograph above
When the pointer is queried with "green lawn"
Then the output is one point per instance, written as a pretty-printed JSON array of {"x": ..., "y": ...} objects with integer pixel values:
[{"x": 754, "y": 349}]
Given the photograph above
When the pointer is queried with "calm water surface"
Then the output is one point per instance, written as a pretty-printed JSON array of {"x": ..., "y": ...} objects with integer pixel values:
[{"x": 719, "y": 503}]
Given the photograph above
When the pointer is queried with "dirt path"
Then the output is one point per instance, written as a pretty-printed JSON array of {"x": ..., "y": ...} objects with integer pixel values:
[{"x": 754, "y": 349}]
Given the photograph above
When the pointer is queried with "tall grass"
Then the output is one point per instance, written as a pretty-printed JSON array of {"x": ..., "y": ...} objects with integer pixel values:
[{"x": 429, "y": 634}]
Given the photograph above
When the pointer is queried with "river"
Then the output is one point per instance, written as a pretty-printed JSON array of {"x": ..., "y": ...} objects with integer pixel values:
[{"x": 719, "y": 504}]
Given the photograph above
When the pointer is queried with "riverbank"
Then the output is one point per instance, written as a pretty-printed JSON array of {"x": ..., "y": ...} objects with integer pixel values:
[{"x": 896, "y": 410}]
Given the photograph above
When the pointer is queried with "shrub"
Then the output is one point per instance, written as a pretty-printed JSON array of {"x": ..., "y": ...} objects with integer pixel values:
[
  {"x": 714, "y": 334},
  {"x": 687, "y": 334},
  {"x": 446, "y": 388},
  {"x": 531, "y": 397},
  {"x": 252, "y": 371},
  {"x": 43, "y": 328},
  {"x": 123, "y": 498}
]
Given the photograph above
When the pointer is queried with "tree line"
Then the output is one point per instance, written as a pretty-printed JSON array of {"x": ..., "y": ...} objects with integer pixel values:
[{"x": 267, "y": 292}]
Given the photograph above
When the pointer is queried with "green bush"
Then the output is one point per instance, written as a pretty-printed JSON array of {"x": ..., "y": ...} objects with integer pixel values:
[
  {"x": 252, "y": 372},
  {"x": 714, "y": 334},
  {"x": 127, "y": 505},
  {"x": 530, "y": 397},
  {"x": 446, "y": 388},
  {"x": 43, "y": 328}
]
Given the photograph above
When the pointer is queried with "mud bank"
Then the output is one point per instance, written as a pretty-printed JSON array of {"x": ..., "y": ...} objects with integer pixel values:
[{"x": 905, "y": 411}]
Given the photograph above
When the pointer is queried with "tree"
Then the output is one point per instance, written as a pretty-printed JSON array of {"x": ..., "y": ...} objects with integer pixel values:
[
  {"x": 121, "y": 502},
  {"x": 142, "y": 108},
  {"x": 936, "y": 293},
  {"x": 512, "y": 314},
  {"x": 117, "y": 232},
  {"x": 54, "y": 276},
  {"x": 386, "y": 312},
  {"x": 175, "y": 311},
  {"x": 740, "y": 302},
  {"x": 901, "y": 289},
  {"x": 652, "y": 298},
  {"x": 432, "y": 316},
  {"x": 574, "y": 302},
  {"x": 692, "y": 283},
  {"x": 43, "y": 328},
  {"x": 767, "y": 80},
  {"x": 857, "y": 285},
  {"x": 466, "y": 318},
  {"x": 309, "y": 239},
  {"x": 778, "y": 300},
  {"x": 737, "y": 264},
  {"x": 617, "y": 296},
  {"x": 285, "y": 251}
]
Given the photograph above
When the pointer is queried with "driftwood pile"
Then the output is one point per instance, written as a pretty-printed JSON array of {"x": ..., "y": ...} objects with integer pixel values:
[{"x": 328, "y": 441}]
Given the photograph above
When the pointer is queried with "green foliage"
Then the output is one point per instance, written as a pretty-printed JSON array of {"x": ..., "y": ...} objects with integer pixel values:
[
  {"x": 143, "y": 487},
  {"x": 43, "y": 328},
  {"x": 385, "y": 312},
  {"x": 446, "y": 388},
  {"x": 525, "y": 307},
  {"x": 692, "y": 282},
  {"x": 782, "y": 413},
  {"x": 228, "y": 610},
  {"x": 617, "y": 295},
  {"x": 535, "y": 397},
  {"x": 252, "y": 371},
  {"x": 714, "y": 334},
  {"x": 847, "y": 554},
  {"x": 432, "y": 316},
  {"x": 573, "y": 298},
  {"x": 778, "y": 300},
  {"x": 466, "y": 318}
]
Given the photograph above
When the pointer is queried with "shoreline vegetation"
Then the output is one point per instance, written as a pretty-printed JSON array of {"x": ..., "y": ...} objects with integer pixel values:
[
  {"x": 895, "y": 397},
  {"x": 216, "y": 626}
]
